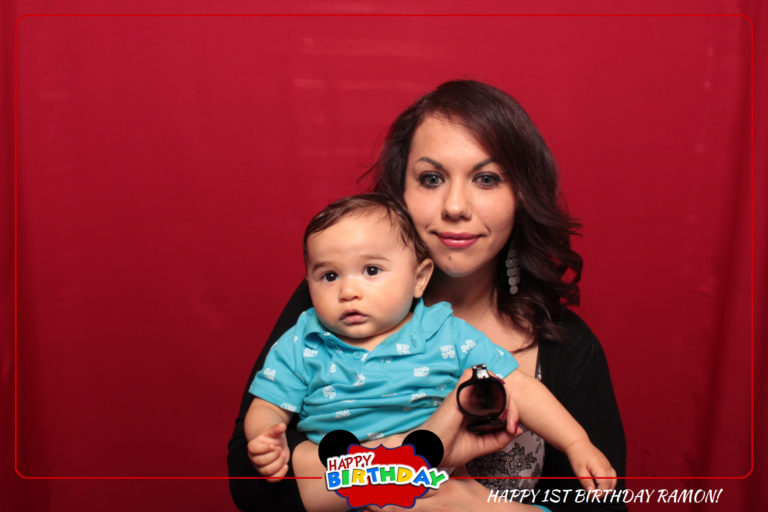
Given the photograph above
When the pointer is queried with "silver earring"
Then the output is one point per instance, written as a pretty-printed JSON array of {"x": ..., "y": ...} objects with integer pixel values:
[{"x": 513, "y": 270}]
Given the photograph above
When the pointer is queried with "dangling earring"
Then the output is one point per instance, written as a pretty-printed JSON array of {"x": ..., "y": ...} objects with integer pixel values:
[{"x": 513, "y": 270}]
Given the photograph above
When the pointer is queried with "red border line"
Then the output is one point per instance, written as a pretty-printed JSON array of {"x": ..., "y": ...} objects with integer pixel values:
[
  {"x": 359, "y": 15},
  {"x": 751, "y": 244},
  {"x": 390, "y": 15},
  {"x": 16, "y": 247}
]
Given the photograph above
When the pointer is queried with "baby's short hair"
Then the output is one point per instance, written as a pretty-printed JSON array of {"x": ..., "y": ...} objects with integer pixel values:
[{"x": 366, "y": 203}]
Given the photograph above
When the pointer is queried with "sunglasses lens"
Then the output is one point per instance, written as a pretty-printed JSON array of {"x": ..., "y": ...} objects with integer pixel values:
[
  {"x": 485, "y": 426},
  {"x": 485, "y": 397}
]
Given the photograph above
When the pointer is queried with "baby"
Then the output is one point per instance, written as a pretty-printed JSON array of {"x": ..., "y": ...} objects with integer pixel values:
[{"x": 367, "y": 360}]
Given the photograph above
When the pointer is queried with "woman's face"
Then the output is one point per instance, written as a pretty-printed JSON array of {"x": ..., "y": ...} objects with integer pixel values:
[{"x": 461, "y": 201}]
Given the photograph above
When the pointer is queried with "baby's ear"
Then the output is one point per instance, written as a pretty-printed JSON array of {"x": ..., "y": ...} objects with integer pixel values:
[{"x": 423, "y": 273}]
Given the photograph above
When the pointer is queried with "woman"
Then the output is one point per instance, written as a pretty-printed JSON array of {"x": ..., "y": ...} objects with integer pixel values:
[{"x": 482, "y": 189}]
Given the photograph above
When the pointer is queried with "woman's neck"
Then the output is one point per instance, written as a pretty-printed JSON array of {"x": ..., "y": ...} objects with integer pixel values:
[
  {"x": 473, "y": 300},
  {"x": 470, "y": 296}
]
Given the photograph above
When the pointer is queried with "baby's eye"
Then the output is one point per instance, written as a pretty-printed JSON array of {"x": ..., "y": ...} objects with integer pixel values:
[
  {"x": 372, "y": 270},
  {"x": 430, "y": 179},
  {"x": 329, "y": 276},
  {"x": 487, "y": 180}
]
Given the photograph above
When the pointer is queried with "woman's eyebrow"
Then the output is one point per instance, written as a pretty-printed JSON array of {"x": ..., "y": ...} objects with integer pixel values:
[
  {"x": 482, "y": 164},
  {"x": 437, "y": 165}
]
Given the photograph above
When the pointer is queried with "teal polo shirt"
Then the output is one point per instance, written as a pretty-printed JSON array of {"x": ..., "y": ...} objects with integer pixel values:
[{"x": 393, "y": 388}]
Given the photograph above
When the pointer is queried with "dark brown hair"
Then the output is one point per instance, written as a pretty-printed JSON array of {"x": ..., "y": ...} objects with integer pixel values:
[
  {"x": 550, "y": 269},
  {"x": 366, "y": 203}
]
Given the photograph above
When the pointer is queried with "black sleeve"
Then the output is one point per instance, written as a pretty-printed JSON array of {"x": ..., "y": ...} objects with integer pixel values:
[
  {"x": 577, "y": 373},
  {"x": 258, "y": 494}
]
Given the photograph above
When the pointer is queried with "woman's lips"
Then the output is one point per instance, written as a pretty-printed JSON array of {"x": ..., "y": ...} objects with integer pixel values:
[{"x": 457, "y": 240}]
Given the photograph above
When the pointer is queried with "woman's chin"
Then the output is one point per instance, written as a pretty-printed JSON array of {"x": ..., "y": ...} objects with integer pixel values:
[
  {"x": 460, "y": 267},
  {"x": 459, "y": 271}
]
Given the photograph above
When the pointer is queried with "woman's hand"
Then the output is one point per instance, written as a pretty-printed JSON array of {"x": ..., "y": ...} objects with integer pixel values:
[{"x": 461, "y": 445}]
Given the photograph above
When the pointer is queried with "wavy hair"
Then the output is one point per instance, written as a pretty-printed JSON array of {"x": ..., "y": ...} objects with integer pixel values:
[{"x": 550, "y": 269}]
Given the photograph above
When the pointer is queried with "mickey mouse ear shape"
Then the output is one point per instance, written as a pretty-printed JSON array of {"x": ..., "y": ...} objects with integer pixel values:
[
  {"x": 426, "y": 444},
  {"x": 334, "y": 444}
]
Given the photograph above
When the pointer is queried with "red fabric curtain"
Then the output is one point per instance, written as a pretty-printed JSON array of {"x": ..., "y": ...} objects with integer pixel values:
[{"x": 167, "y": 166}]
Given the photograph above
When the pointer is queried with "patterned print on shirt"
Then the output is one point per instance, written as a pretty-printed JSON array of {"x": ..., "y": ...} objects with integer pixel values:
[
  {"x": 418, "y": 396},
  {"x": 329, "y": 392},
  {"x": 421, "y": 371},
  {"x": 448, "y": 351}
]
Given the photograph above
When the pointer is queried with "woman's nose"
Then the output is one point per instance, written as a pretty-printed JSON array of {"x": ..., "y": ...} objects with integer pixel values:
[{"x": 456, "y": 204}]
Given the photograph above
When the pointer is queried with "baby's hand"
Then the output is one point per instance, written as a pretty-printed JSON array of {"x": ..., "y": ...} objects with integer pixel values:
[
  {"x": 588, "y": 462},
  {"x": 269, "y": 452}
]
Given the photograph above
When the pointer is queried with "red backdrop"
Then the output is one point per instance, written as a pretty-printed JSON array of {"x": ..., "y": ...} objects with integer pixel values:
[{"x": 167, "y": 166}]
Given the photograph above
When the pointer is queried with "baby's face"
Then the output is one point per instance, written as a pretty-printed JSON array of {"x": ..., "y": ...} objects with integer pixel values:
[{"x": 362, "y": 278}]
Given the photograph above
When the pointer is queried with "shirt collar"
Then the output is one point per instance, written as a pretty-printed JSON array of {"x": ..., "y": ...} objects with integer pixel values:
[{"x": 425, "y": 322}]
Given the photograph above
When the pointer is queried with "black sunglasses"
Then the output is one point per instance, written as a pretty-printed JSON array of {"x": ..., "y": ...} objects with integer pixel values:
[{"x": 484, "y": 399}]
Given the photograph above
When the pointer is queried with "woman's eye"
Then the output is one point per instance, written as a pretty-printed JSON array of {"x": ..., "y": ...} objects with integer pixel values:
[
  {"x": 329, "y": 276},
  {"x": 487, "y": 180},
  {"x": 430, "y": 179},
  {"x": 372, "y": 270}
]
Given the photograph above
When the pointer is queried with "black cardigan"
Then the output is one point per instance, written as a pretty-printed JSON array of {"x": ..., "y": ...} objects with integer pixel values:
[{"x": 576, "y": 372}]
